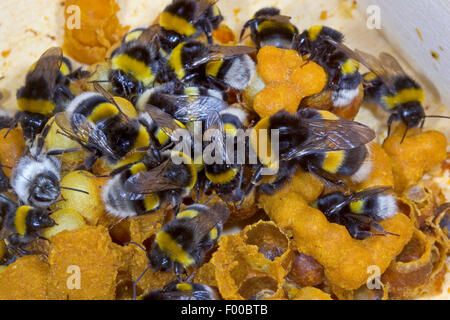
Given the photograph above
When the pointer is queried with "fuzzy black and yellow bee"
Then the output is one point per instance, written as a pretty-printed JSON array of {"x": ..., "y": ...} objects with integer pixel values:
[
  {"x": 228, "y": 66},
  {"x": 120, "y": 202},
  {"x": 269, "y": 28},
  {"x": 360, "y": 212},
  {"x": 98, "y": 124},
  {"x": 36, "y": 177},
  {"x": 171, "y": 181},
  {"x": 320, "y": 144},
  {"x": 234, "y": 70},
  {"x": 184, "y": 241},
  {"x": 184, "y": 20},
  {"x": 225, "y": 177},
  {"x": 324, "y": 45},
  {"x": 355, "y": 163},
  {"x": 193, "y": 104},
  {"x": 20, "y": 225},
  {"x": 388, "y": 85},
  {"x": 45, "y": 92},
  {"x": 183, "y": 291},
  {"x": 136, "y": 64}
]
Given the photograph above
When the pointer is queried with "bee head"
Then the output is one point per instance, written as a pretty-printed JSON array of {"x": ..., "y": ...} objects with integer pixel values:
[
  {"x": 39, "y": 219},
  {"x": 45, "y": 189},
  {"x": 412, "y": 114}
]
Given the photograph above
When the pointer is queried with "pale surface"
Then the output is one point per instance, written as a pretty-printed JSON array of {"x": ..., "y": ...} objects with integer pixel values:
[{"x": 28, "y": 28}]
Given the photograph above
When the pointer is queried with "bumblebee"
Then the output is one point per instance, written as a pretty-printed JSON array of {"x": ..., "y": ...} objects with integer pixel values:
[
  {"x": 136, "y": 64},
  {"x": 36, "y": 177},
  {"x": 302, "y": 137},
  {"x": 390, "y": 87},
  {"x": 324, "y": 46},
  {"x": 184, "y": 20},
  {"x": 121, "y": 203},
  {"x": 183, "y": 291},
  {"x": 98, "y": 124},
  {"x": 21, "y": 224},
  {"x": 161, "y": 125},
  {"x": 355, "y": 163},
  {"x": 44, "y": 93},
  {"x": 360, "y": 212},
  {"x": 168, "y": 182},
  {"x": 226, "y": 178},
  {"x": 269, "y": 28},
  {"x": 195, "y": 103},
  {"x": 184, "y": 241},
  {"x": 234, "y": 71}
]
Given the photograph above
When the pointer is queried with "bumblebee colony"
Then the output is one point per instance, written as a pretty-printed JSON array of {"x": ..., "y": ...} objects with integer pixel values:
[{"x": 88, "y": 179}]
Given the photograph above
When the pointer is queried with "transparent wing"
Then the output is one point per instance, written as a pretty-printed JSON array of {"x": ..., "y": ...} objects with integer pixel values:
[
  {"x": 151, "y": 181},
  {"x": 330, "y": 135},
  {"x": 202, "y": 6},
  {"x": 192, "y": 108},
  {"x": 47, "y": 67}
]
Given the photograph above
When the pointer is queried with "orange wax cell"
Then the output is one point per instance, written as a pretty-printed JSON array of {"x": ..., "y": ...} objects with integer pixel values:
[
  {"x": 281, "y": 96},
  {"x": 11, "y": 148},
  {"x": 310, "y": 78},
  {"x": 287, "y": 78},
  {"x": 345, "y": 260},
  {"x": 83, "y": 265},
  {"x": 25, "y": 279},
  {"x": 91, "y": 28},
  {"x": 276, "y": 64},
  {"x": 419, "y": 152}
]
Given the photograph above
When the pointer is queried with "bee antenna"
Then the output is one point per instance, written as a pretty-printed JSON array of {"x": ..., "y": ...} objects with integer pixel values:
[
  {"x": 404, "y": 135},
  {"x": 73, "y": 189},
  {"x": 7, "y": 167},
  {"x": 99, "y": 81},
  {"x": 436, "y": 116}
]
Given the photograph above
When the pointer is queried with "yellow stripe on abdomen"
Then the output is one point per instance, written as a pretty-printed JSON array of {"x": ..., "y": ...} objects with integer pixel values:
[
  {"x": 20, "y": 220},
  {"x": 44, "y": 107},
  {"x": 222, "y": 178},
  {"x": 136, "y": 68},
  {"x": 176, "y": 61},
  {"x": 103, "y": 111},
  {"x": 175, "y": 23},
  {"x": 357, "y": 206},
  {"x": 404, "y": 96},
  {"x": 173, "y": 249},
  {"x": 333, "y": 161}
]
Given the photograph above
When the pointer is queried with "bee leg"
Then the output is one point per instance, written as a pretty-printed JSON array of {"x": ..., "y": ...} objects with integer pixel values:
[
  {"x": 404, "y": 135},
  {"x": 328, "y": 177},
  {"x": 14, "y": 123},
  {"x": 139, "y": 279}
]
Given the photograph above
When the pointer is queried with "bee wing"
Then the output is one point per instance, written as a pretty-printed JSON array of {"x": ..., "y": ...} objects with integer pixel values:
[
  {"x": 47, "y": 67},
  {"x": 151, "y": 181},
  {"x": 218, "y": 52},
  {"x": 357, "y": 196},
  {"x": 231, "y": 51},
  {"x": 191, "y": 108},
  {"x": 85, "y": 130},
  {"x": 99, "y": 88},
  {"x": 277, "y": 18},
  {"x": 150, "y": 34},
  {"x": 163, "y": 119},
  {"x": 368, "y": 193},
  {"x": 202, "y": 6},
  {"x": 331, "y": 135},
  {"x": 214, "y": 122},
  {"x": 375, "y": 65},
  {"x": 391, "y": 64},
  {"x": 65, "y": 125}
]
